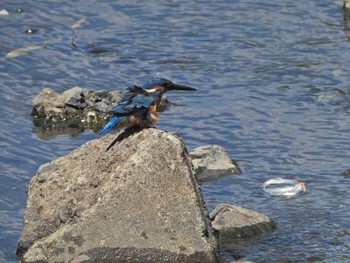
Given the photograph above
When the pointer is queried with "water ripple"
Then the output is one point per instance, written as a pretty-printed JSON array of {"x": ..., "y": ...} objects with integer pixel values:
[{"x": 272, "y": 89}]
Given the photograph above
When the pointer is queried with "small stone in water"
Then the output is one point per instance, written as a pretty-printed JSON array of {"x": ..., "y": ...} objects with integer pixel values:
[
  {"x": 346, "y": 173},
  {"x": 31, "y": 31}
]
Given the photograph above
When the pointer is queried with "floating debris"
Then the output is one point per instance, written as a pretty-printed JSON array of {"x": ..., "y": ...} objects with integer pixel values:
[
  {"x": 4, "y": 12},
  {"x": 286, "y": 187},
  {"x": 19, "y": 10},
  {"x": 78, "y": 23},
  {"x": 21, "y": 51}
]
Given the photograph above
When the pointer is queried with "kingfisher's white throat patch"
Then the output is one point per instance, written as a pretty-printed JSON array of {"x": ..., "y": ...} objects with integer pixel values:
[{"x": 151, "y": 90}]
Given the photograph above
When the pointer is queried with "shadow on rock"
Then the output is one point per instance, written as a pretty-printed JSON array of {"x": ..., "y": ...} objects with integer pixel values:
[{"x": 123, "y": 135}]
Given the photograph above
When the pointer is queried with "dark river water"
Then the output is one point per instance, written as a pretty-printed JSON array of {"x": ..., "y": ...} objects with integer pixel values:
[{"x": 273, "y": 89}]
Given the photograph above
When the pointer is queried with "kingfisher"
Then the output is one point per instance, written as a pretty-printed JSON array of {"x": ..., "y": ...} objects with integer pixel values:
[{"x": 138, "y": 106}]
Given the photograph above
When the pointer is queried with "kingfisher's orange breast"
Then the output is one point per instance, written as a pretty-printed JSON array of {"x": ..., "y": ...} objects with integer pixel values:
[
  {"x": 153, "y": 108},
  {"x": 153, "y": 113}
]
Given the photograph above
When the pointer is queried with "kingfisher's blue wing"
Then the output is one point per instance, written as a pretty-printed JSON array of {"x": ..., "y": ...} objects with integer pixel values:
[
  {"x": 134, "y": 104},
  {"x": 113, "y": 122},
  {"x": 135, "y": 101}
]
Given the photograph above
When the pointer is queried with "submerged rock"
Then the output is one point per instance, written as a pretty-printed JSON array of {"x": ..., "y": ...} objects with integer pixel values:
[
  {"x": 71, "y": 111},
  {"x": 346, "y": 173},
  {"x": 211, "y": 162},
  {"x": 138, "y": 202},
  {"x": 234, "y": 222}
]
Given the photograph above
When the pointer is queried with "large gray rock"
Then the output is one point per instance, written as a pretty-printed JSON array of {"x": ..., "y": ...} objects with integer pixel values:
[
  {"x": 138, "y": 202},
  {"x": 233, "y": 222},
  {"x": 211, "y": 162}
]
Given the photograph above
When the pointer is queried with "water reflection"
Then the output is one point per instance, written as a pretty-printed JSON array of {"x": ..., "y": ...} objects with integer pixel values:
[{"x": 45, "y": 133}]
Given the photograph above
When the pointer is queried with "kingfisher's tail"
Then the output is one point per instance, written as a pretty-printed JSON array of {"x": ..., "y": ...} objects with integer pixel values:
[{"x": 110, "y": 125}]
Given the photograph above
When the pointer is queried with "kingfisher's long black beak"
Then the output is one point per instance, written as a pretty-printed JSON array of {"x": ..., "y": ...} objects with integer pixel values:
[{"x": 179, "y": 87}]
